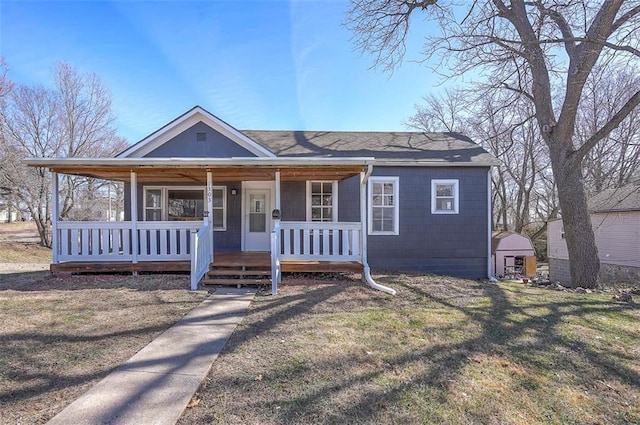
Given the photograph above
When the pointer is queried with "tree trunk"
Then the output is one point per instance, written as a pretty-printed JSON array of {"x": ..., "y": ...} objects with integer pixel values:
[{"x": 584, "y": 263}]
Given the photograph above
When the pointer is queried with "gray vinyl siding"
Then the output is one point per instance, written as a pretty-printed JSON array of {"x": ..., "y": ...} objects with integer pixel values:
[
  {"x": 186, "y": 145},
  {"x": 449, "y": 244},
  {"x": 293, "y": 201},
  {"x": 224, "y": 240}
]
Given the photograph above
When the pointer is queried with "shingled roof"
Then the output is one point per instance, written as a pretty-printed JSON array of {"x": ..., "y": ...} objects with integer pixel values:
[
  {"x": 626, "y": 198},
  {"x": 395, "y": 147}
]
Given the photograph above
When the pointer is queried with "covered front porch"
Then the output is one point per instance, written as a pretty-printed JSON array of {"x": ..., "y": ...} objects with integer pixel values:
[{"x": 141, "y": 244}]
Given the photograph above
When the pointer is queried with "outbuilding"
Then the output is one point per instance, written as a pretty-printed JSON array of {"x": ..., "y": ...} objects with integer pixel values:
[{"x": 512, "y": 254}]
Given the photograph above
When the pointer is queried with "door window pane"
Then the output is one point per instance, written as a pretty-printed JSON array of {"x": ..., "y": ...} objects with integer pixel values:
[{"x": 257, "y": 213}]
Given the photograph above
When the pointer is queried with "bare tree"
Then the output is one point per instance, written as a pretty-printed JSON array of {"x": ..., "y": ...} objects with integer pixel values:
[
  {"x": 543, "y": 51},
  {"x": 6, "y": 191},
  {"x": 74, "y": 119},
  {"x": 615, "y": 160},
  {"x": 31, "y": 129},
  {"x": 444, "y": 112}
]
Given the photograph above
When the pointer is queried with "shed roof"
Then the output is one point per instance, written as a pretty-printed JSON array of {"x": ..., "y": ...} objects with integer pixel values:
[
  {"x": 498, "y": 237},
  {"x": 626, "y": 198},
  {"x": 401, "y": 148}
]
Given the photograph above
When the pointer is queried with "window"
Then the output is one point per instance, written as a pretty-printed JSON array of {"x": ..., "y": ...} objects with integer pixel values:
[
  {"x": 184, "y": 204},
  {"x": 383, "y": 205},
  {"x": 153, "y": 204},
  {"x": 219, "y": 208},
  {"x": 322, "y": 201},
  {"x": 444, "y": 197}
]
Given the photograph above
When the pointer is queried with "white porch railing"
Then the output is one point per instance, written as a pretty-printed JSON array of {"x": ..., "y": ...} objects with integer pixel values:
[
  {"x": 165, "y": 240},
  {"x": 316, "y": 241},
  {"x": 111, "y": 240},
  {"x": 201, "y": 254}
]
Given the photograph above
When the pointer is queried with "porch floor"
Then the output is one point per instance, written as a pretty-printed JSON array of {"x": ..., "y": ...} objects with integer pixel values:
[{"x": 261, "y": 259}]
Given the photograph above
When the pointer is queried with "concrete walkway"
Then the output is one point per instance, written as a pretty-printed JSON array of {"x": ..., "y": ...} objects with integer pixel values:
[{"x": 155, "y": 385}]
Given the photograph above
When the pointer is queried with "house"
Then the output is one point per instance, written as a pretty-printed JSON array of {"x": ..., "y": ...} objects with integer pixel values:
[
  {"x": 615, "y": 218},
  {"x": 315, "y": 201},
  {"x": 512, "y": 254}
]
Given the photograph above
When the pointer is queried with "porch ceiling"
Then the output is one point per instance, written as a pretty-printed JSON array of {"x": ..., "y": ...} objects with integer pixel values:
[{"x": 184, "y": 170}]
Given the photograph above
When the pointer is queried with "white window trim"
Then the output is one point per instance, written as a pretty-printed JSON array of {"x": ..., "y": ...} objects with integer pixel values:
[
  {"x": 165, "y": 201},
  {"x": 396, "y": 199},
  {"x": 163, "y": 207},
  {"x": 334, "y": 194},
  {"x": 456, "y": 196}
]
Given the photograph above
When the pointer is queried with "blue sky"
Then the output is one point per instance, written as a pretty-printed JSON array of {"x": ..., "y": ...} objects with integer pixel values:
[{"x": 255, "y": 64}]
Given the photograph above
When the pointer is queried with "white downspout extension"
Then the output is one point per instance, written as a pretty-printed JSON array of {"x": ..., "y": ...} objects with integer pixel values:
[{"x": 366, "y": 272}]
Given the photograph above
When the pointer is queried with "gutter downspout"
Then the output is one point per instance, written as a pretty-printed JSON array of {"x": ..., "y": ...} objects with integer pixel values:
[{"x": 366, "y": 272}]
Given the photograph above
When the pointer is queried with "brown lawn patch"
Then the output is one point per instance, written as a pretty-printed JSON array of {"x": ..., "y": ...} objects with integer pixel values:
[
  {"x": 23, "y": 253},
  {"x": 61, "y": 334},
  {"x": 443, "y": 350}
]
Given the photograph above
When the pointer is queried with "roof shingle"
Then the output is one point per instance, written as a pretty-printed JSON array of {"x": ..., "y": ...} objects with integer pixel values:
[
  {"x": 453, "y": 148},
  {"x": 626, "y": 198}
]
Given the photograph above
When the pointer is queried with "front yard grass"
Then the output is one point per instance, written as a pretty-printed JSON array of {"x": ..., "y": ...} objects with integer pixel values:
[
  {"x": 61, "y": 334},
  {"x": 443, "y": 350}
]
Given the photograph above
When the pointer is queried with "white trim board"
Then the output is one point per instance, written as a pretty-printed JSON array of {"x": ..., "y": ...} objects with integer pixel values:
[{"x": 186, "y": 121}]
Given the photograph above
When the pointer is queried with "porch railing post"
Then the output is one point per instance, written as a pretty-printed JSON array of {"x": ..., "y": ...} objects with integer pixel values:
[
  {"x": 55, "y": 212},
  {"x": 134, "y": 217},
  {"x": 210, "y": 209}
]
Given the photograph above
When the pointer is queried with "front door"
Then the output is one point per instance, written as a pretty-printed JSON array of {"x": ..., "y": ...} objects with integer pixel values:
[{"x": 257, "y": 225}]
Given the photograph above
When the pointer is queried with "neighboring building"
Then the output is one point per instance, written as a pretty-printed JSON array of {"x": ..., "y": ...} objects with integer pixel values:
[
  {"x": 398, "y": 201},
  {"x": 615, "y": 217},
  {"x": 512, "y": 254}
]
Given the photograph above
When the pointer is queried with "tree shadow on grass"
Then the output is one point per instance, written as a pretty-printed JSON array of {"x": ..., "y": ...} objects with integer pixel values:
[
  {"x": 45, "y": 281},
  {"x": 528, "y": 335}
]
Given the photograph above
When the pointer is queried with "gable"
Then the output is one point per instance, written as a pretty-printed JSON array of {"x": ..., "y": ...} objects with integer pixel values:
[
  {"x": 185, "y": 129},
  {"x": 190, "y": 144}
]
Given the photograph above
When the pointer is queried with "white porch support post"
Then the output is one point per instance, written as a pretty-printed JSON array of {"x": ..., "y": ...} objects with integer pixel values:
[
  {"x": 279, "y": 208},
  {"x": 366, "y": 271},
  {"x": 55, "y": 212},
  {"x": 210, "y": 209},
  {"x": 278, "y": 190},
  {"x": 134, "y": 217}
]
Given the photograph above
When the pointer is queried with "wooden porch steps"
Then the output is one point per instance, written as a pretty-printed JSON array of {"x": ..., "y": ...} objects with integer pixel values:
[
  {"x": 235, "y": 282},
  {"x": 233, "y": 272},
  {"x": 239, "y": 269}
]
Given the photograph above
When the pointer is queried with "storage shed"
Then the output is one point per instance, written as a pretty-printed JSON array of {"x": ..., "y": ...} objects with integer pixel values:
[{"x": 512, "y": 254}]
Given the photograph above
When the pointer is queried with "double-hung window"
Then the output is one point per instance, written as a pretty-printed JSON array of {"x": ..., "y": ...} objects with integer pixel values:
[
  {"x": 322, "y": 201},
  {"x": 184, "y": 204},
  {"x": 444, "y": 197},
  {"x": 383, "y": 206}
]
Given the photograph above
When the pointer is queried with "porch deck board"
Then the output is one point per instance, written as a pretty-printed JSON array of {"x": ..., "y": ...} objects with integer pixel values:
[
  {"x": 120, "y": 267},
  {"x": 249, "y": 260}
]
